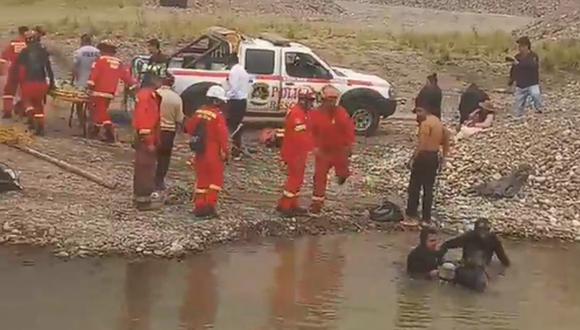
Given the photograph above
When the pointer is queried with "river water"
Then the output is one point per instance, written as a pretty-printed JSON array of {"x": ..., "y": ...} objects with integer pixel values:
[{"x": 332, "y": 282}]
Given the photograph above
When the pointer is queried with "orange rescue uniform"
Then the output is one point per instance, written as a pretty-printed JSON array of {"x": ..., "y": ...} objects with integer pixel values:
[
  {"x": 9, "y": 57},
  {"x": 334, "y": 134},
  {"x": 296, "y": 146},
  {"x": 146, "y": 125},
  {"x": 209, "y": 166},
  {"x": 103, "y": 82}
]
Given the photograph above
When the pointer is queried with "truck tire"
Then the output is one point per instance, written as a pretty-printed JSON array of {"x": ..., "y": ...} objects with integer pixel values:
[
  {"x": 194, "y": 97},
  {"x": 364, "y": 115}
]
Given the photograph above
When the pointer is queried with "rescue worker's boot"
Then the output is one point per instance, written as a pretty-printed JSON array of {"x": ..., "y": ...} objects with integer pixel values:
[
  {"x": 8, "y": 105},
  {"x": 19, "y": 109},
  {"x": 212, "y": 200},
  {"x": 109, "y": 133},
  {"x": 288, "y": 207},
  {"x": 201, "y": 209},
  {"x": 93, "y": 132},
  {"x": 30, "y": 118},
  {"x": 39, "y": 125},
  {"x": 316, "y": 206}
]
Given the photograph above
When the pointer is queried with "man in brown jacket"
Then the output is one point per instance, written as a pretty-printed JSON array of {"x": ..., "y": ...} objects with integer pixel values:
[{"x": 171, "y": 113}]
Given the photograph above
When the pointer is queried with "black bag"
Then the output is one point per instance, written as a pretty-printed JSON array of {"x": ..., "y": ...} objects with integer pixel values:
[
  {"x": 386, "y": 212},
  {"x": 9, "y": 180},
  {"x": 199, "y": 138}
]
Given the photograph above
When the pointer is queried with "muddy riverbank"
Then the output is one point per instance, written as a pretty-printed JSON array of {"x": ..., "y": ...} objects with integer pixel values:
[{"x": 330, "y": 282}]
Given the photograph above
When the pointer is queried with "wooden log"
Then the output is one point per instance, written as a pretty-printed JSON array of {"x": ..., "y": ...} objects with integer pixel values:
[{"x": 68, "y": 167}]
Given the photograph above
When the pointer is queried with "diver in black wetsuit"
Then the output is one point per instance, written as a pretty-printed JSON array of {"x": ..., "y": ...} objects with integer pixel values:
[
  {"x": 425, "y": 259},
  {"x": 479, "y": 246},
  {"x": 479, "y": 239}
]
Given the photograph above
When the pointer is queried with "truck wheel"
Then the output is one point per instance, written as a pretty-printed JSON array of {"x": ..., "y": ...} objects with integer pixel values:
[
  {"x": 365, "y": 118},
  {"x": 194, "y": 97}
]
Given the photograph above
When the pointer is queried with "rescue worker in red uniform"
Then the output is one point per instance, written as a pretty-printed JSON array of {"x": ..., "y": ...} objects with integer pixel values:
[
  {"x": 146, "y": 121},
  {"x": 34, "y": 72},
  {"x": 333, "y": 134},
  {"x": 296, "y": 147},
  {"x": 7, "y": 61},
  {"x": 103, "y": 83},
  {"x": 210, "y": 142}
]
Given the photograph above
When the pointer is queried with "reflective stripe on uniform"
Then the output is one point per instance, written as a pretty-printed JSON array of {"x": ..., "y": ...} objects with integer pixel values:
[
  {"x": 3, "y": 60},
  {"x": 7, "y": 97},
  {"x": 317, "y": 198},
  {"x": 38, "y": 115},
  {"x": 90, "y": 82},
  {"x": 300, "y": 128},
  {"x": 289, "y": 194},
  {"x": 106, "y": 95},
  {"x": 214, "y": 187},
  {"x": 29, "y": 109},
  {"x": 200, "y": 191},
  {"x": 107, "y": 122},
  {"x": 145, "y": 131},
  {"x": 207, "y": 113}
]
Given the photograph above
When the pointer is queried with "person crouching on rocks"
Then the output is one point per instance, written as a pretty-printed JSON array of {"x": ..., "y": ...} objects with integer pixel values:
[
  {"x": 479, "y": 120},
  {"x": 210, "y": 143},
  {"x": 433, "y": 137},
  {"x": 146, "y": 125}
]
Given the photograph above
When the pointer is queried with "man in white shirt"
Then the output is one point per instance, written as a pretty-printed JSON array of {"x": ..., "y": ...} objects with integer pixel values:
[
  {"x": 237, "y": 94},
  {"x": 171, "y": 119},
  {"x": 83, "y": 58}
]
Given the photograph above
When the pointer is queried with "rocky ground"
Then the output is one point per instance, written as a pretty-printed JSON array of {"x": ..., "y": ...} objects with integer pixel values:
[
  {"x": 78, "y": 217},
  {"x": 559, "y": 26}
]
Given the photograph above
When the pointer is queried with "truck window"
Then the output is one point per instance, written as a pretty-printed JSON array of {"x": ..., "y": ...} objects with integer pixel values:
[
  {"x": 259, "y": 61},
  {"x": 196, "y": 56},
  {"x": 302, "y": 65}
]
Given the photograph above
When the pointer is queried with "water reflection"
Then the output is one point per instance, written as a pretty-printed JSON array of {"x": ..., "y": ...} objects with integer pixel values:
[
  {"x": 333, "y": 282},
  {"x": 201, "y": 301}
]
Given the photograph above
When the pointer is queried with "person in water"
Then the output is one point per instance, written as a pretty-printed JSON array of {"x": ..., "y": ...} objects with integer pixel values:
[
  {"x": 425, "y": 259},
  {"x": 479, "y": 245}
]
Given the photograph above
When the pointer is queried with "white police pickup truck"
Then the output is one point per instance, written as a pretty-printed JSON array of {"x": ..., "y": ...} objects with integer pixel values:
[{"x": 279, "y": 69}]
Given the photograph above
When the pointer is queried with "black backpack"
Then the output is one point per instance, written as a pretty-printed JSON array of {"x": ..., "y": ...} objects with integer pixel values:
[
  {"x": 199, "y": 138},
  {"x": 387, "y": 211}
]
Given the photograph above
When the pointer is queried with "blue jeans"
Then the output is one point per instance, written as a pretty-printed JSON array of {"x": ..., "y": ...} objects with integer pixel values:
[{"x": 522, "y": 95}]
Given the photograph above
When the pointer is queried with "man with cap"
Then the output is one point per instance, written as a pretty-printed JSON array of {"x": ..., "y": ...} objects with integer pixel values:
[
  {"x": 171, "y": 112},
  {"x": 480, "y": 242},
  {"x": 296, "y": 147},
  {"x": 146, "y": 125},
  {"x": 103, "y": 83},
  {"x": 334, "y": 136},
  {"x": 210, "y": 143},
  {"x": 425, "y": 162},
  {"x": 525, "y": 73},
  {"x": 7, "y": 60},
  {"x": 34, "y": 72}
]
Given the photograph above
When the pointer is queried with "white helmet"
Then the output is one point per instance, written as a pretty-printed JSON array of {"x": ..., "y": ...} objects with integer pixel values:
[{"x": 217, "y": 92}]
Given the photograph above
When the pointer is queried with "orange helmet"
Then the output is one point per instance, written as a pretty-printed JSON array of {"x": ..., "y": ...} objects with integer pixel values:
[{"x": 330, "y": 92}]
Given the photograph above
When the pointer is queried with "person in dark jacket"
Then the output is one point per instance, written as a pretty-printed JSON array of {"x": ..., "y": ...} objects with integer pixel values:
[
  {"x": 479, "y": 245},
  {"x": 425, "y": 259},
  {"x": 525, "y": 73},
  {"x": 430, "y": 96},
  {"x": 470, "y": 100}
]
